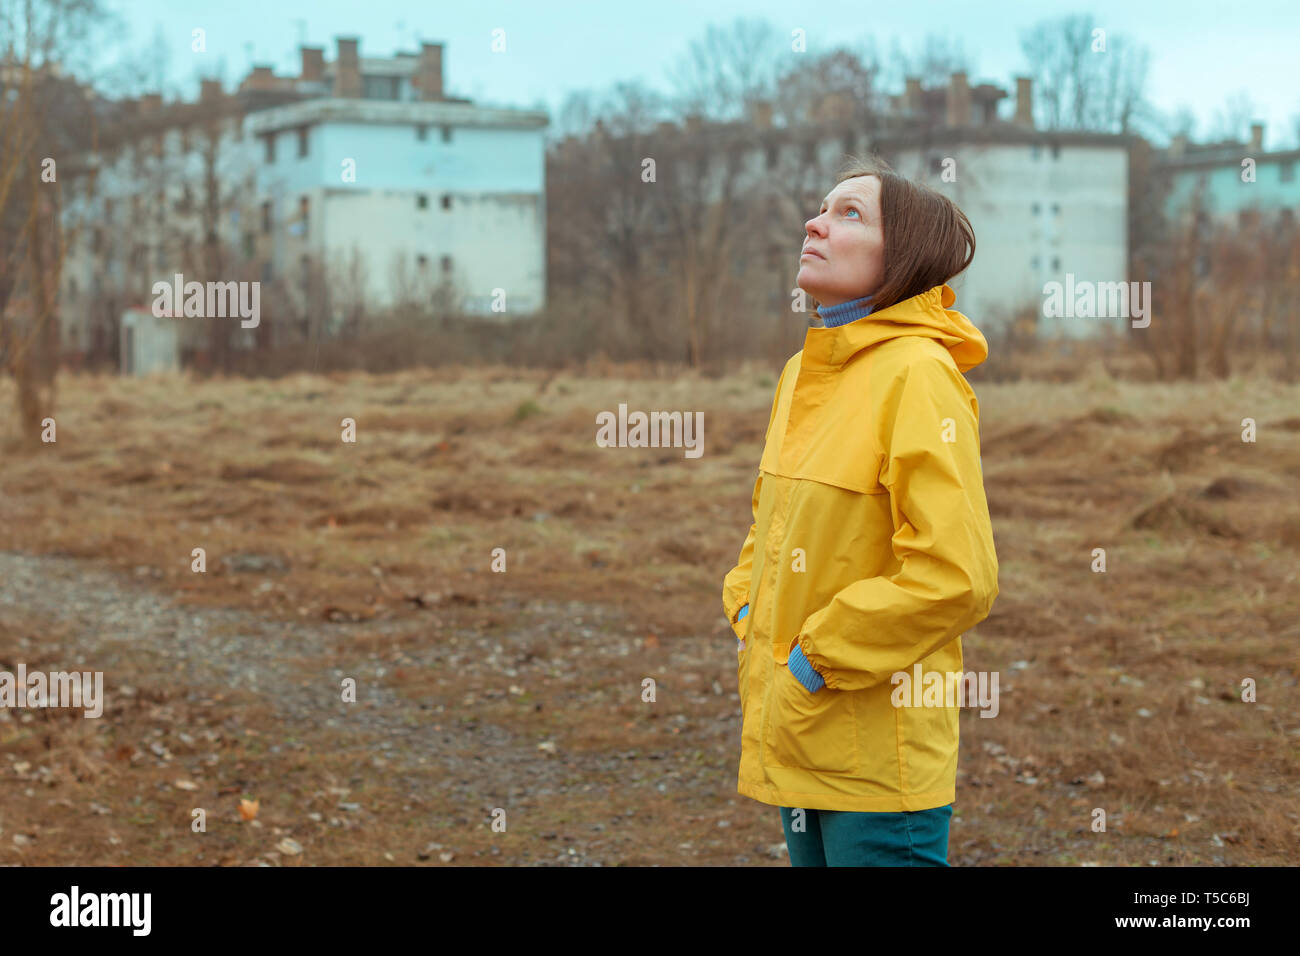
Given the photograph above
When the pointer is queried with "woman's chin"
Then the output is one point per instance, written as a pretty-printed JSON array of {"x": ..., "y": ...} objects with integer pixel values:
[{"x": 804, "y": 280}]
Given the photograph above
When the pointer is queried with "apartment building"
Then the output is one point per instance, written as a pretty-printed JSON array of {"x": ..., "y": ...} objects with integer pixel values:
[{"x": 358, "y": 174}]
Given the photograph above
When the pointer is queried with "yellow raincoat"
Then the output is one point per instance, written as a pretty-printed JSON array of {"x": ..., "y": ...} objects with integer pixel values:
[{"x": 872, "y": 547}]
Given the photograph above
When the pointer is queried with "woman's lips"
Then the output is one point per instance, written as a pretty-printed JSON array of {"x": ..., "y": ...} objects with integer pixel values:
[{"x": 811, "y": 252}]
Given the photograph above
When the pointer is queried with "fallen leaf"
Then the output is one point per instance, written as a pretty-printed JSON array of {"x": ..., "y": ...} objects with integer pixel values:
[
  {"x": 185, "y": 785},
  {"x": 248, "y": 809}
]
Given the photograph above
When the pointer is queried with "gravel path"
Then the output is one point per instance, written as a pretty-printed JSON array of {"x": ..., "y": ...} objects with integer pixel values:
[{"x": 111, "y": 621}]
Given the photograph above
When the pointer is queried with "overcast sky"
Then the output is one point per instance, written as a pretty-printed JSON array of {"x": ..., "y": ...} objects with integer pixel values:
[{"x": 1201, "y": 52}]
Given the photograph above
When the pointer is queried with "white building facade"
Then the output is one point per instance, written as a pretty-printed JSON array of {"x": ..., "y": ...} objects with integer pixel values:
[
  {"x": 410, "y": 195},
  {"x": 359, "y": 174}
]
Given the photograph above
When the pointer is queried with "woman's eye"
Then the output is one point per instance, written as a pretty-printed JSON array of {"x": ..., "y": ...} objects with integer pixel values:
[{"x": 851, "y": 209}]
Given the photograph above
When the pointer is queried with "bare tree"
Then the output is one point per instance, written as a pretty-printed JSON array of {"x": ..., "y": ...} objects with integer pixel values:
[
  {"x": 728, "y": 69},
  {"x": 43, "y": 116},
  {"x": 844, "y": 74},
  {"x": 1232, "y": 120},
  {"x": 1085, "y": 77},
  {"x": 933, "y": 59}
]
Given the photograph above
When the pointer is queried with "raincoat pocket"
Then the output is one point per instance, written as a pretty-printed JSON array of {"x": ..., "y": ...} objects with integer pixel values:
[{"x": 811, "y": 731}]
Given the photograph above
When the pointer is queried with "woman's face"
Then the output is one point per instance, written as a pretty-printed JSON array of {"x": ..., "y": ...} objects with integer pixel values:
[{"x": 843, "y": 255}]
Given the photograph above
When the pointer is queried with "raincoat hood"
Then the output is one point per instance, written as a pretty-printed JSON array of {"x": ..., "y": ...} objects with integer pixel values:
[{"x": 926, "y": 315}]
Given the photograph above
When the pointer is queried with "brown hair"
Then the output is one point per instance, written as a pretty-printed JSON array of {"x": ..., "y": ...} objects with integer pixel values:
[{"x": 928, "y": 240}]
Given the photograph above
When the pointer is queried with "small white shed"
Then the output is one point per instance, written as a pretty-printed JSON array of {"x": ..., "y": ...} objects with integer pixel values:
[{"x": 150, "y": 343}]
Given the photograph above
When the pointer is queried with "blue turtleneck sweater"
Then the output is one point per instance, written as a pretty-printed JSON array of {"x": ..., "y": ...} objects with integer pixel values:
[
  {"x": 832, "y": 316},
  {"x": 845, "y": 312}
]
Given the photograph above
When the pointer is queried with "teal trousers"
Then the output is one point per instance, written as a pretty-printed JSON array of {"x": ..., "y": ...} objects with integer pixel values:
[{"x": 846, "y": 838}]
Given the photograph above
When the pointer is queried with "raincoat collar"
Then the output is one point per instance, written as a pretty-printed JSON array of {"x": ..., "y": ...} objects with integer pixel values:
[{"x": 925, "y": 315}]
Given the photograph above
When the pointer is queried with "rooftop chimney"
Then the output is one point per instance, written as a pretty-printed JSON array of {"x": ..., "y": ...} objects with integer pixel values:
[
  {"x": 347, "y": 69},
  {"x": 1024, "y": 102},
  {"x": 835, "y": 106},
  {"x": 209, "y": 90},
  {"x": 762, "y": 115},
  {"x": 150, "y": 102},
  {"x": 913, "y": 98},
  {"x": 1178, "y": 146},
  {"x": 261, "y": 78},
  {"x": 958, "y": 100},
  {"x": 313, "y": 63},
  {"x": 430, "y": 71},
  {"x": 1256, "y": 137},
  {"x": 694, "y": 122}
]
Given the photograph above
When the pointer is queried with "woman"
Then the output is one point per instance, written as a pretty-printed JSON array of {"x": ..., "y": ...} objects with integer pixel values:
[{"x": 871, "y": 549}]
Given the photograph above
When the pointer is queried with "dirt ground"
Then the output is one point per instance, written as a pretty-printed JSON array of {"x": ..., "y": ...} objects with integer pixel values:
[{"x": 516, "y": 697}]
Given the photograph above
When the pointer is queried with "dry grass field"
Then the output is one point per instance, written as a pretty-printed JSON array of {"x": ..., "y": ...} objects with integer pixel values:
[{"x": 520, "y": 691}]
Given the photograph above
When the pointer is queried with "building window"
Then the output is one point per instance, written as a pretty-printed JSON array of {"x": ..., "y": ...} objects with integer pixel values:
[
  {"x": 771, "y": 155},
  {"x": 1033, "y": 151},
  {"x": 422, "y": 132},
  {"x": 1247, "y": 218},
  {"x": 1286, "y": 218},
  {"x": 302, "y": 141},
  {"x": 1034, "y": 263},
  {"x": 185, "y": 139},
  {"x": 96, "y": 238},
  {"x": 421, "y": 201},
  {"x": 1035, "y": 208},
  {"x": 379, "y": 87},
  {"x": 248, "y": 245},
  {"x": 108, "y": 210},
  {"x": 446, "y": 134},
  {"x": 270, "y": 148},
  {"x": 446, "y": 264},
  {"x": 237, "y": 129},
  {"x": 1056, "y": 264},
  {"x": 446, "y": 200},
  {"x": 1286, "y": 172},
  {"x": 266, "y": 217},
  {"x": 422, "y": 261},
  {"x": 1056, "y": 209},
  {"x": 1056, "y": 151}
]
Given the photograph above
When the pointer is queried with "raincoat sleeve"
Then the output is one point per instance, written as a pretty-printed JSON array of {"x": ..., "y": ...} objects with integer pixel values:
[
  {"x": 943, "y": 539},
  {"x": 735, "y": 585}
]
